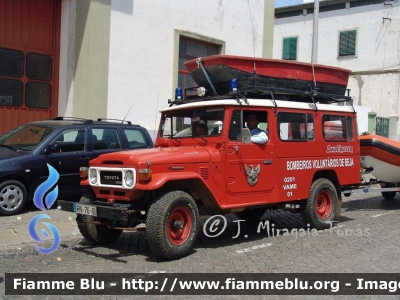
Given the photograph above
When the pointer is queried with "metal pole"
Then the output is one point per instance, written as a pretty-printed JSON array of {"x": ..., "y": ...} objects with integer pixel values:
[{"x": 314, "y": 50}]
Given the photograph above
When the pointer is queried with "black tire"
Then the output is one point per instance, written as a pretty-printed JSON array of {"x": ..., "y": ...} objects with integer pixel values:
[
  {"x": 13, "y": 197},
  {"x": 320, "y": 209},
  {"x": 172, "y": 225},
  {"x": 389, "y": 195},
  {"x": 251, "y": 215},
  {"x": 96, "y": 234}
]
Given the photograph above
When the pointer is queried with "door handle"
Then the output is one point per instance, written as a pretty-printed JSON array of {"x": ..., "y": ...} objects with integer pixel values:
[
  {"x": 268, "y": 162},
  {"x": 85, "y": 158}
]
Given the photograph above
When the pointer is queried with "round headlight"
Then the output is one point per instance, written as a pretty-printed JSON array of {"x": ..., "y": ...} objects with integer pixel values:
[
  {"x": 93, "y": 176},
  {"x": 129, "y": 178}
]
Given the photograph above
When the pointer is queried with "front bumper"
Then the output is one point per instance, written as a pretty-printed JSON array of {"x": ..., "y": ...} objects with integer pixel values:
[{"x": 114, "y": 213}]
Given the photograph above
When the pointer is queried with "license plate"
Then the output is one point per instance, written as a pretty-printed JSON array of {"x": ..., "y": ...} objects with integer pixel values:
[{"x": 86, "y": 210}]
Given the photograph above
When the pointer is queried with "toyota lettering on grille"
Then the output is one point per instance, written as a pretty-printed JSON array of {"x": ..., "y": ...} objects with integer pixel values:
[{"x": 111, "y": 177}]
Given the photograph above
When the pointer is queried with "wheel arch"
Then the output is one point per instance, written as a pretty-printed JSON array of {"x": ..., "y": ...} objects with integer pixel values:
[
  {"x": 21, "y": 179},
  {"x": 194, "y": 187}
]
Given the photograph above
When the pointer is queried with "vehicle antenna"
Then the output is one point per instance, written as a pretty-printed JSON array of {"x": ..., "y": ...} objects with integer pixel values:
[{"x": 127, "y": 113}]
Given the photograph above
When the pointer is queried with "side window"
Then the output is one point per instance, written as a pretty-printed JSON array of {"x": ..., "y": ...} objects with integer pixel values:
[
  {"x": 105, "y": 138},
  {"x": 337, "y": 128},
  {"x": 235, "y": 126},
  {"x": 350, "y": 132},
  {"x": 71, "y": 140},
  {"x": 135, "y": 138},
  {"x": 295, "y": 126},
  {"x": 250, "y": 119}
]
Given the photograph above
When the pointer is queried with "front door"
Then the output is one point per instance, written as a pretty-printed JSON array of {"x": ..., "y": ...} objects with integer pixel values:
[
  {"x": 71, "y": 153},
  {"x": 250, "y": 168}
]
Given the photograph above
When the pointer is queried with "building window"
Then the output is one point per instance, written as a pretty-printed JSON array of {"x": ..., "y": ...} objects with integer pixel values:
[
  {"x": 37, "y": 95},
  {"x": 11, "y": 63},
  {"x": 16, "y": 79},
  {"x": 39, "y": 67},
  {"x": 347, "y": 43},
  {"x": 191, "y": 49},
  {"x": 289, "y": 48}
]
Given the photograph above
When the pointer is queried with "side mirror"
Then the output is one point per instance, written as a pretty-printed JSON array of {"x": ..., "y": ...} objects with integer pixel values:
[{"x": 246, "y": 136}]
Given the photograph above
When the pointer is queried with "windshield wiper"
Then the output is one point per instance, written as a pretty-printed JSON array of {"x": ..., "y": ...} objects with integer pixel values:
[
  {"x": 172, "y": 137},
  {"x": 200, "y": 137},
  {"x": 9, "y": 147}
]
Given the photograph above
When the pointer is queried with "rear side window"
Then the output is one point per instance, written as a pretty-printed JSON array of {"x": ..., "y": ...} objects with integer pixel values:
[
  {"x": 337, "y": 128},
  {"x": 105, "y": 138},
  {"x": 295, "y": 126},
  {"x": 135, "y": 138}
]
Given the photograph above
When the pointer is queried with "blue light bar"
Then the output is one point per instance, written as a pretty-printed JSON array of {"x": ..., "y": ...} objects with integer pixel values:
[
  {"x": 233, "y": 85},
  {"x": 178, "y": 93}
]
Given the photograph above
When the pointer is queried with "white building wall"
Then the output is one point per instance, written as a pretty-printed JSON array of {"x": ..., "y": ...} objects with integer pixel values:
[
  {"x": 67, "y": 51},
  {"x": 144, "y": 47},
  {"x": 375, "y": 80}
]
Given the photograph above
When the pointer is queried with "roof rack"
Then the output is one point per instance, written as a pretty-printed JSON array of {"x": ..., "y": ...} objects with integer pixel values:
[
  {"x": 59, "y": 118},
  {"x": 122, "y": 121},
  {"x": 262, "y": 92}
]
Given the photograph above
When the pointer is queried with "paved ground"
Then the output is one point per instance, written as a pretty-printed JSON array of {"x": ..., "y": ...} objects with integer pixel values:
[{"x": 365, "y": 240}]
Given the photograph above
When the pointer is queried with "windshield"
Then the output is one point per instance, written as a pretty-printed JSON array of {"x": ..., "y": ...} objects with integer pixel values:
[
  {"x": 194, "y": 122},
  {"x": 25, "y": 137}
]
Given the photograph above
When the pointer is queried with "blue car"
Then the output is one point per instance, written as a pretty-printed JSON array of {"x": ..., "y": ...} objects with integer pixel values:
[{"x": 64, "y": 143}]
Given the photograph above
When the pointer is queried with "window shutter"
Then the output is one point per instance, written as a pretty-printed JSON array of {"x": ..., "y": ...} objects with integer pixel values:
[
  {"x": 293, "y": 49},
  {"x": 347, "y": 43},
  {"x": 343, "y": 43},
  {"x": 289, "y": 48},
  {"x": 286, "y": 48},
  {"x": 351, "y": 48}
]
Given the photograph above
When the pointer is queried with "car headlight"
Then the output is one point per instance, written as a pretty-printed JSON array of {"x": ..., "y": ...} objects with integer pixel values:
[
  {"x": 128, "y": 178},
  {"x": 93, "y": 176}
]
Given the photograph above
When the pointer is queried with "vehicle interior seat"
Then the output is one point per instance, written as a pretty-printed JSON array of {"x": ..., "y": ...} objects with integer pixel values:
[{"x": 111, "y": 138}]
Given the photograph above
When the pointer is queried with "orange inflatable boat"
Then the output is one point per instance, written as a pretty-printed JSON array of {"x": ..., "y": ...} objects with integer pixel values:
[{"x": 381, "y": 156}]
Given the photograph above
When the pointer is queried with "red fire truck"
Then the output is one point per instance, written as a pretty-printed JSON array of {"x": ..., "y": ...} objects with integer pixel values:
[{"x": 312, "y": 155}]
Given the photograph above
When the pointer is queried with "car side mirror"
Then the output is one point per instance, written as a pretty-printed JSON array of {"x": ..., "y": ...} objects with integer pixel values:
[{"x": 246, "y": 136}]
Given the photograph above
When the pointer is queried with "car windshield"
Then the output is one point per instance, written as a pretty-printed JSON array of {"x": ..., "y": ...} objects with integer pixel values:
[
  {"x": 26, "y": 137},
  {"x": 194, "y": 122}
]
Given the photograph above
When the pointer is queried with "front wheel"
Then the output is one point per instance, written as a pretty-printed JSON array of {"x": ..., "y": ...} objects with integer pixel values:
[
  {"x": 13, "y": 197},
  {"x": 320, "y": 209},
  {"x": 97, "y": 234},
  {"x": 172, "y": 225}
]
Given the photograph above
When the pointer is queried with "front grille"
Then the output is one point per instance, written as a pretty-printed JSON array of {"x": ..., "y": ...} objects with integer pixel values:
[{"x": 111, "y": 178}]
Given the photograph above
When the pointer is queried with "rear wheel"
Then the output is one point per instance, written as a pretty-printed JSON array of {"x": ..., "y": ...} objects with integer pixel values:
[
  {"x": 13, "y": 197},
  {"x": 389, "y": 195},
  {"x": 172, "y": 225},
  {"x": 320, "y": 209},
  {"x": 97, "y": 234}
]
